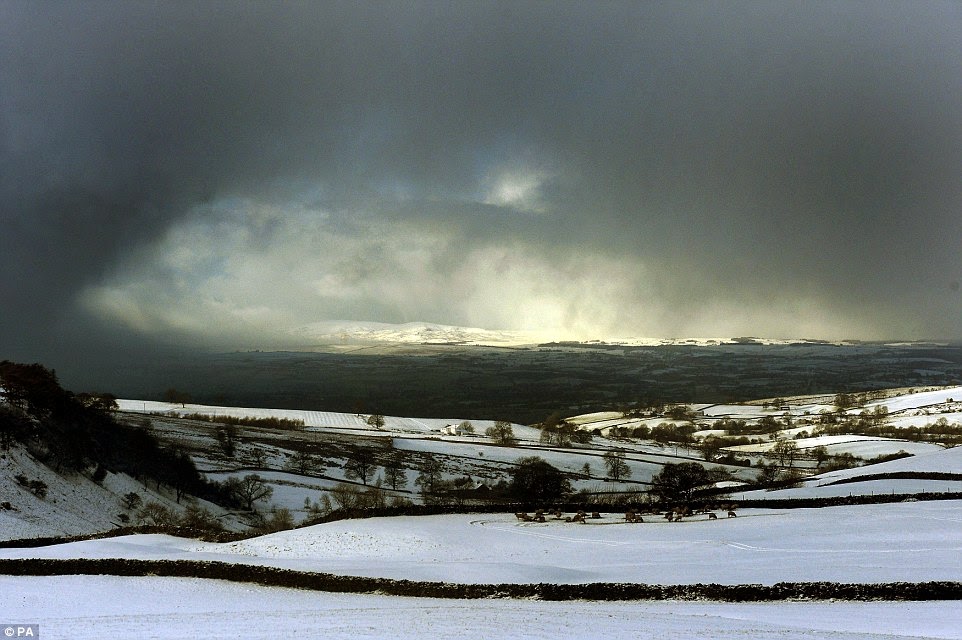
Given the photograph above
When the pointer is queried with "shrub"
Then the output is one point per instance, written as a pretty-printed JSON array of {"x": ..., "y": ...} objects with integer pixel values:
[
  {"x": 347, "y": 496},
  {"x": 38, "y": 488},
  {"x": 279, "y": 520},
  {"x": 156, "y": 514},
  {"x": 200, "y": 519}
]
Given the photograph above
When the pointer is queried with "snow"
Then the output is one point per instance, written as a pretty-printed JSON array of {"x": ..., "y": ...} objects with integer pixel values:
[
  {"x": 597, "y": 416},
  {"x": 413, "y": 333},
  {"x": 913, "y": 541},
  {"x": 96, "y": 607},
  {"x": 349, "y": 422},
  {"x": 73, "y": 505},
  {"x": 939, "y": 461},
  {"x": 902, "y": 542},
  {"x": 916, "y": 541},
  {"x": 923, "y": 417},
  {"x": 866, "y": 488},
  {"x": 918, "y": 400},
  {"x": 862, "y": 446}
]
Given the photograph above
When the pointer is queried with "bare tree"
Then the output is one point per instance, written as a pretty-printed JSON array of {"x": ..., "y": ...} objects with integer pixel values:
[
  {"x": 303, "y": 462},
  {"x": 360, "y": 465},
  {"x": 173, "y": 396},
  {"x": 785, "y": 451},
  {"x": 430, "y": 477},
  {"x": 227, "y": 437},
  {"x": 250, "y": 489},
  {"x": 616, "y": 465},
  {"x": 710, "y": 446},
  {"x": 258, "y": 456},
  {"x": 555, "y": 430},
  {"x": 394, "y": 472},
  {"x": 821, "y": 454}
]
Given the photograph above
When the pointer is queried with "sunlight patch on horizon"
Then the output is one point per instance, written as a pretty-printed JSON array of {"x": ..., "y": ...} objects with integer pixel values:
[{"x": 255, "y": 274}]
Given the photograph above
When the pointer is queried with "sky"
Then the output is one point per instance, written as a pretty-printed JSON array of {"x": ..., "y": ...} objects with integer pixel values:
[{"x": 221, "y": 174}]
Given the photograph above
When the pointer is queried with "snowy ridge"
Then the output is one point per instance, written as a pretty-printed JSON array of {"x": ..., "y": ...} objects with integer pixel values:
[
  {"x": 347, "y": 331},
  {"x": 413, "y": 333}
]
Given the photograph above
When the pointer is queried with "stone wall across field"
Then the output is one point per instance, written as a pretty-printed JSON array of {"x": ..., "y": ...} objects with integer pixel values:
[{"x": 277, "y": 577}]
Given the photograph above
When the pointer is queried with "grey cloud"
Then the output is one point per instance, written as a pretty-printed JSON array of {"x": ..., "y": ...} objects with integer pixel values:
[{"x": 764, "y": 153}]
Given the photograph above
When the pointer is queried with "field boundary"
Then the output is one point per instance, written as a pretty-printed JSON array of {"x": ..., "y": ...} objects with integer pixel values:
[{"x": 288, "y": 578}]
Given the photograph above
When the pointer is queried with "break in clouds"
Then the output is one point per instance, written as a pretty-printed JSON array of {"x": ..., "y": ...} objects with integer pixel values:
[{"x": 224, "y": 173}]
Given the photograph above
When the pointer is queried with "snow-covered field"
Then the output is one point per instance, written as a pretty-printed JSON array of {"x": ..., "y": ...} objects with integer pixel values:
[
  {"x": 886, "y": 543},
  {"x": 97, "y": 607},
  {"x": 862, "y": 446},
  {"x": 916, "y": 541},
  {"x": 313, "y": 419},
  {"x": 820, "y": 486},
  {"x": 910, "y": 542}
]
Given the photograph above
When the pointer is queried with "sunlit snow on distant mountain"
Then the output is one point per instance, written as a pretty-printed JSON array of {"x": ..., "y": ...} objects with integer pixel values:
[{"x": 333, "y": 332}]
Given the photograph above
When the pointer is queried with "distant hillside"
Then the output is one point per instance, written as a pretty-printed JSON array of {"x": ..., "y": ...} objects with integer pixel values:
[{"x": 524, "y": 383}]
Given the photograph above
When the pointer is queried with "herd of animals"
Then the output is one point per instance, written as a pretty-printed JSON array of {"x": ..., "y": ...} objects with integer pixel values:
[{"x": 631, "y": 516}]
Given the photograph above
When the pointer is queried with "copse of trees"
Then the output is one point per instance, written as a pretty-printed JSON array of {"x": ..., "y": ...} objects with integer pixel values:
[
  {"x": 680, "y": 412},
  {"x": 303, "y": 462},
  {"x": 667, "y": 432},
  {"x": 269, "y": 422}
]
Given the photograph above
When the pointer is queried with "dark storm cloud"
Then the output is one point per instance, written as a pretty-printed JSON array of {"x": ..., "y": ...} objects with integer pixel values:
[{"x": 737, "y": 167}]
